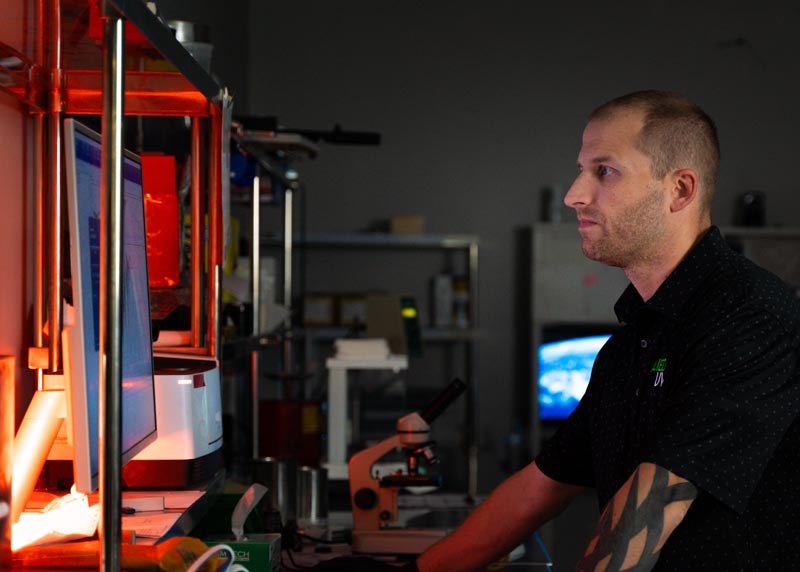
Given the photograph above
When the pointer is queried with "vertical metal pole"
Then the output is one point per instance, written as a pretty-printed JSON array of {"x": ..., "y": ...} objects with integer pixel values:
[
  {"x": 39, "y": 233},
  {"x": 288, "y": 244},
  {"x": 39, "y": 198},
  {"x": 198, "y": 225},
  {"x": 255, "y": 254},
  {"x": 111, "y": 241},
  {"x": 474, "y": 394},
  {"x": 255, "y": 278},
  {"x": 54, "y": 181},
  {"x": 214, "y": 230}
]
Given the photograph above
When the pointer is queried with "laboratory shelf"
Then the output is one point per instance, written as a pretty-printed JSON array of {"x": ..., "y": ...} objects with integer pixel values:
[
  {"x": 379, "y": 240},
  {"x": 161, "y": 77},
  {"x": 64, "y": 69},
  {"x": 428, "y": 334}
]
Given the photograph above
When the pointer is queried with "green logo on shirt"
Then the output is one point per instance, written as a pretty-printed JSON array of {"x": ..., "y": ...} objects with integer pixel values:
[
  {"x": 658, "y": 368},
  {"x": 660, "y": 364}
]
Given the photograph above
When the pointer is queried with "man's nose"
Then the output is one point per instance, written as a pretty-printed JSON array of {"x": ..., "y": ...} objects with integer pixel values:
[{"x": 578, "y": 194}]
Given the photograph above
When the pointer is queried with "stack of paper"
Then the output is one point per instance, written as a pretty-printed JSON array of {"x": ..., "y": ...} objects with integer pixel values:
[{"x": 369, "y": 348}]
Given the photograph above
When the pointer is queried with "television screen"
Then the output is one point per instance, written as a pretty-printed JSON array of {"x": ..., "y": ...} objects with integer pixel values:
[{"x": 564, "y": 367}]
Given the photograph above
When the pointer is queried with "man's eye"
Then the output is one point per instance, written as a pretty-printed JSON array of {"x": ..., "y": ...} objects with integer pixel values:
[{"x": 603, "y": 171}]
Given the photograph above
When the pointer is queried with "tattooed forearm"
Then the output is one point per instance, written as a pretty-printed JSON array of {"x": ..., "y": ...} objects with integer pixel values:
[{"x": 635, "y": 523}]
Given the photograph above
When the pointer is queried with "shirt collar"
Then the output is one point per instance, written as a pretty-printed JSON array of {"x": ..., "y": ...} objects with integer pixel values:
[{"x": 679, "y": 286}]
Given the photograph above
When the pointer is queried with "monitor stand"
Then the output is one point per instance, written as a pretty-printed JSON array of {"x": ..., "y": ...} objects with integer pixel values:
[{"x": 35, "y": 436}]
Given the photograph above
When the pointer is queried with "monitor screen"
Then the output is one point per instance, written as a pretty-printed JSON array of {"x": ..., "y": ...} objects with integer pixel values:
[
  {"x": 82, "y": 159},
  {"x": 564, "y": 366}
]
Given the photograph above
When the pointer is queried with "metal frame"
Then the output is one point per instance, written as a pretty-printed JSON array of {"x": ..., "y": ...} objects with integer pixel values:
[
  {"x": 49, "y": 91},
  {"x": 110, "y": 406}
]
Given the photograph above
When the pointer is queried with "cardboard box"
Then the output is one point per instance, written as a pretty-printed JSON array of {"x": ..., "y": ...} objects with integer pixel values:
[
  {"x": 257, "y": 552},
  {"x": 407, "y": 224},
  {"x": 352, "y": 310},
  {"x": 319, "y": 310}
]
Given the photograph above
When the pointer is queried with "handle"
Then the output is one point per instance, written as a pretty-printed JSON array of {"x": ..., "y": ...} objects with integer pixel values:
[{"x": 443, "y": 400}]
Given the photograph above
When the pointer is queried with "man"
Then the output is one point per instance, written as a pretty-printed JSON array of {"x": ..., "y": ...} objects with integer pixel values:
[{"x": 688, "y": 430}]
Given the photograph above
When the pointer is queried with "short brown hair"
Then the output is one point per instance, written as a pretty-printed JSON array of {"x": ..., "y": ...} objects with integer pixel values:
[{"x": 676, "y": 134}]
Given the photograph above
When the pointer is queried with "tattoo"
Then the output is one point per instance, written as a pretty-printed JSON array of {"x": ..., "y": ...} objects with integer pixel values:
[{"x": 639, "y": 519}]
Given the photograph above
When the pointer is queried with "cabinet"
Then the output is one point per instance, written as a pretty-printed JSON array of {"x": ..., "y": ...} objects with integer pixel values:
[
  {"x": 569, "y": 291},
  {"x": 775, "y": 248},
  {"x": 112, "y": 59}
]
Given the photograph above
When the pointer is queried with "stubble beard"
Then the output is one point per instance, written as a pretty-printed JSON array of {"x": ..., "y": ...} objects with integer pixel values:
[{"x": 631, "y": 239}]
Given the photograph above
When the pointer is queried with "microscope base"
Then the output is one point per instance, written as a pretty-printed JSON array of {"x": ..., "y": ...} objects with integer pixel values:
[{"x": 396, "y": 541}]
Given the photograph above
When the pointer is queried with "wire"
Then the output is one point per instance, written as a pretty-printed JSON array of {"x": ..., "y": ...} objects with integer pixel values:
[
  {"x": 318, "y": 540},
  {"x": 213, "y": 551},
  {"x": 294, "y": 564},
  {"x": 544, "y": 550}
]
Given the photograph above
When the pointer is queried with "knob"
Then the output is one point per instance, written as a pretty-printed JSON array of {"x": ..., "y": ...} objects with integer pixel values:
[{"x": 365, "y": 499}]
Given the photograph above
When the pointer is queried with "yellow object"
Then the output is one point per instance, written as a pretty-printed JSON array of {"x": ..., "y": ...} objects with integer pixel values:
[
  {"x": 179, "y": 553},
  {"x": 310, "y": 419},
  {"x": 175, "y": 554},
  {"x": 499, "y": 565},
  {"x": 232, "y": 251}
]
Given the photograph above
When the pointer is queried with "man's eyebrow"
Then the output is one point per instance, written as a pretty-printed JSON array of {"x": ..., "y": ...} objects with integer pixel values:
[{"x": 596, "y": 160}]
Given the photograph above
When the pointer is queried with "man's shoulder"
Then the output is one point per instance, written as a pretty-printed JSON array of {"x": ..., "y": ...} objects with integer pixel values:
[{"x": 738, "y": 283}]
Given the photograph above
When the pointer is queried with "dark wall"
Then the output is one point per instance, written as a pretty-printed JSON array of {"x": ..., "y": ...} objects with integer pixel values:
[
  {"x": 482, "y": 106},
  {"x": 228, "y": 23}
]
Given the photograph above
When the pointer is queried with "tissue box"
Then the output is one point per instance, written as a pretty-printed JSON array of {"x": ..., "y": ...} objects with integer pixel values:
[{"x": 257, "y": 552}]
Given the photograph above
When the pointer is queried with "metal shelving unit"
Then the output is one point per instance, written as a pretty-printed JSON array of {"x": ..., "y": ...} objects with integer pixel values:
[
  {"x": 290, "y": 242},
  {"x": 468, "y": 246},
  {"x": 113, "y": 67},
  {"x": 275, "y": 154}
]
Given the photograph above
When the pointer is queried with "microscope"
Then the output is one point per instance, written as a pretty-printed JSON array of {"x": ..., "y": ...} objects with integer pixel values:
[{"x": 374, "y": 498}]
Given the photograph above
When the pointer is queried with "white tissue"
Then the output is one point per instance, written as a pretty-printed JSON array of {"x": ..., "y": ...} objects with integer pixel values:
[{"x": 246, "y": 504}]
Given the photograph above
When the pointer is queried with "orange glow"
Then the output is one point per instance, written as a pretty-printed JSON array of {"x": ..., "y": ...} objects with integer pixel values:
[
  {"x": 146, "y": 93},
  {"x": 69, "y": 517}
]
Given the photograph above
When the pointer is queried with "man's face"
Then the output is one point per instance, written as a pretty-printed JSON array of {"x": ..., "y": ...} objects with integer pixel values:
[{"x": 622, "y": 210}]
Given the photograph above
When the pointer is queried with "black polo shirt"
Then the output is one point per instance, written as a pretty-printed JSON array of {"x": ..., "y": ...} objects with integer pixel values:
[{"x": 703, "y": 380}]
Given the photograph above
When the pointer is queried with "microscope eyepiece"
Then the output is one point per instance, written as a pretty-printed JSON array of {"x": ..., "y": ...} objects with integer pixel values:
[{"x": 443, "y": 400}]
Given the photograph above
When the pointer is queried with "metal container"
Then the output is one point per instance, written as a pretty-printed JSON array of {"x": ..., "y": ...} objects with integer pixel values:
[
  {"x": 312, "y": 496},
  {"x": 280, "y": 478},
  {"x": 196, "y": 38}
]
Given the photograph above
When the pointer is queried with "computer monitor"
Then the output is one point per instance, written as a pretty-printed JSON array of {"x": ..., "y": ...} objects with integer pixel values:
[
  {"x": 564, "y": 365},
  {"x": 73, "y": 397},
  {"x": 82, "y": 157}
]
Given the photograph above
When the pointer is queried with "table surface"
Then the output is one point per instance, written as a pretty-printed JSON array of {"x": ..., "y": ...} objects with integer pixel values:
[{"x": 436, "y": 510}]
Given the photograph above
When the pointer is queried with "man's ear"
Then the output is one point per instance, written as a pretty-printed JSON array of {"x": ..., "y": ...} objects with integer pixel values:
[{"x": 683, "y": 189}]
